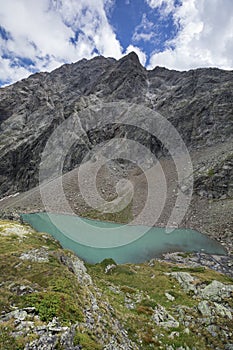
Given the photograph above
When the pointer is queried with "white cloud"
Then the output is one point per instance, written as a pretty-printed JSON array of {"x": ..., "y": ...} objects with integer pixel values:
[
  {"x": 165, "y": 6},
  {"x": 42, "y": 30},
  {"x": 8, "y": 72},
  {"x": 141, "y": 55},
  {"x": 109, "y": 6},
  {"x": 145, "y": 31},
  {"x": 205, "y": 37},
  {"x": 44, "y": 33}
]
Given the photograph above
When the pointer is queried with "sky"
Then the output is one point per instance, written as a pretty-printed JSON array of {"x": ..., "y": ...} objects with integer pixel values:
[{"x": 41, "y": 35}]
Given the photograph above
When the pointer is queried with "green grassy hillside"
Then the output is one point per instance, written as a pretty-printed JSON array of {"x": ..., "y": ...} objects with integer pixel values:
[{"x": 48, "y": 296}]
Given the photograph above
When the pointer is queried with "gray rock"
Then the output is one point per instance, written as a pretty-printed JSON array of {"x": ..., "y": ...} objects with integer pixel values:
[
  {"x": 173, "y": 335},
  {"x": 45, "y": 342},
  {"x": 229, "y": 347},
  {"x": 213, "y": 329},
  {"x": 204, "y": 308},
  {"x": 109, "y": 268},
  {"x": 25, "y": 326},
  {"x": 186, "y": 331},
  {"x": 55, "y": 327},
  {"x": 211, "y": 312},
  {"x": 19, "y": 315},
  {"x": 220, "y": 263},
  {"x": 36, "y": 255},
  {"x": 185, "y": 280},
  {"x": 77, "y": 266},
  {"x": 216, "y": 291},
  {"x": 222, "y": 311},
  {"x": 162, "y": 318},
  {"x": 169, "y": 297},
  {"x": 21, "y": 289}
]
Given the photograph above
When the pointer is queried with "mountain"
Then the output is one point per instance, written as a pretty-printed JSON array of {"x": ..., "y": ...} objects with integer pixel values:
[{"x": 98, "y": 97}]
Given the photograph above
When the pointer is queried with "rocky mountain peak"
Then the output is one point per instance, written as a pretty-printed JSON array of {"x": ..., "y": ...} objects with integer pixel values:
[
  {"x": 132, "y": 58},
  {"x": 198, "y": 103}
]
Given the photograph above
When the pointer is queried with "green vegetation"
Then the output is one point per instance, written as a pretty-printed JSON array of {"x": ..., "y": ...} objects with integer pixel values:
[
  {"x": 122, "y": 217},
  {"x": 129, "y": 293},
  {"x": 146, "y": 286},
  {"x": 185, "y": 254},
  {"x": 86, "y": 341},
  {"x": 8, "y": 342},
  {"x": 210, "y": 172},
  {"x": 107, "y": 262},
  {"x": 189, "y": 269},
  {"x": 49, "y": 286},
  {"x": 54, "y": 304}
]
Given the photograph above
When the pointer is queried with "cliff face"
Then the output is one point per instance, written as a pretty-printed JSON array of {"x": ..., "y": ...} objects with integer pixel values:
[{"x": 199, "y": 103}]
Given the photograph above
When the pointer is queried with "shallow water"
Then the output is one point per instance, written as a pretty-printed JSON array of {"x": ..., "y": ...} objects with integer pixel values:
[{"x": 94, "y": 240}]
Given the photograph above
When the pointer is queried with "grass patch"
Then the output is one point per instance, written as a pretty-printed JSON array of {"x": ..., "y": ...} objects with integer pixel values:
[
  {"x": 210, "y": 172},
  {"x": 54, "y": 304},
  {"x": 188, "y": 269},
  {"x": 124, "y": 216},
  {"x": 86, "y": 341},
  {"x": 8, "y": 342}
]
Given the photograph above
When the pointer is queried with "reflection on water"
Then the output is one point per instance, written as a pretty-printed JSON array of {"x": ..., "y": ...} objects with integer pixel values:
[{"x": 152, "y": 244}]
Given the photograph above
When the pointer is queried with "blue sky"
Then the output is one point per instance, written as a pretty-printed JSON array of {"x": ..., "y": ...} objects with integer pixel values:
[
  {"x": 178, "y": 34},
  {"x": 135, "y": 22}
]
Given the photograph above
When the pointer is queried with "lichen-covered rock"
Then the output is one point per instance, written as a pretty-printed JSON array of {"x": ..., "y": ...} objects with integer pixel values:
[
  {"x": 36, "y": 255},
  {"x": 216, "y": 181},
  {"x": 163, "y": 318},
  {"x": 77, "y": 266},
  {"x": 7, "y": 228},
  {"x": 216, "y": 291},
  {"x": 169, "y": 296},
  {"x": 19, "y": 315},
  {"x": 208, "y": 308},
  {"x": 223, "y": 311},
  {"x": 204, "y": 308},
  {"x": 186, "y": 281},
  {"x": 45, "y": 342}
]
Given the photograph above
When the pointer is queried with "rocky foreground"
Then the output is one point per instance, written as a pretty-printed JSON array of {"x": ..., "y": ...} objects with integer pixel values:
[{"x": 50, "y": 299}]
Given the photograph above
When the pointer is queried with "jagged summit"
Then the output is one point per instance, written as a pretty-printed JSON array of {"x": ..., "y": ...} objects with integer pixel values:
[{"x": 132, "y": 56}]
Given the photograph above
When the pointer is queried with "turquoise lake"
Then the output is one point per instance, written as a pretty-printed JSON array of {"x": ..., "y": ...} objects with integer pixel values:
[{"x": 94, "y": 240}]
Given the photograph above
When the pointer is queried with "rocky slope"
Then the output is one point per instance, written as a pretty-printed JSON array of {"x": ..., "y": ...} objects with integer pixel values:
[{"x": 50, "y": 300}]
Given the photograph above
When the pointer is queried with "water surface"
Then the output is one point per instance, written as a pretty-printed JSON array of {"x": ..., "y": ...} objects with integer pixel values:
[{"x": 71, "y": 231}]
